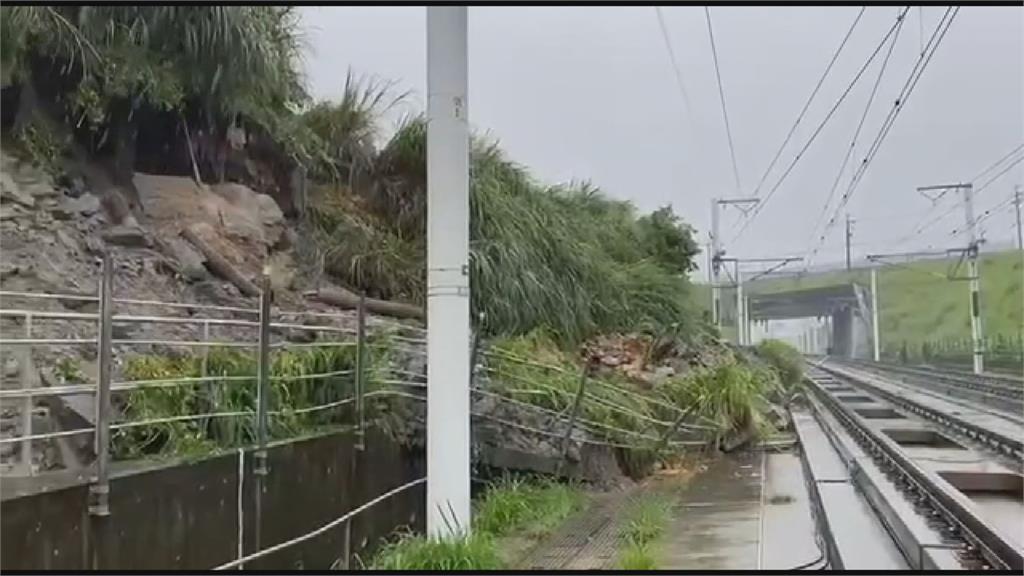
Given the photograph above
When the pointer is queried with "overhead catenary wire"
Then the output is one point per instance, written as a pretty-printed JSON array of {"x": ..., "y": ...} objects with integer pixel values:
[
  {"x": 814, "y": 135},
  {"x": 860, "y": 126},
  {"x": 993, "y": 211},
  {"x": 900, "y": 103},
  {"x": 677, "y": 71},
  {"x": 721, "y": 97},
  {"x": 810, "y": 99},
  {"x": 925, "y": 224}
]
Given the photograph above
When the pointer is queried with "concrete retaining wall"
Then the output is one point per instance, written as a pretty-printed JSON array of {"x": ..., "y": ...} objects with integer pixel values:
[{"x": 185, "y": 515}]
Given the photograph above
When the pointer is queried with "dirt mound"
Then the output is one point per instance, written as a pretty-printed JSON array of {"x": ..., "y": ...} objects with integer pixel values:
[{"x": 647, "y": 361}]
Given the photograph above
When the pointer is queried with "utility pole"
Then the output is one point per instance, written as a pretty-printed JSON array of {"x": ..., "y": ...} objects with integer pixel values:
[
  {"x": 739, "y": 306},
  {"x": 742, "y": 303},
  {"x": 717, "y": 252},
  {"x": 1017, "y": 199},
  {"x": 849, "y": 236},
  {"x": 977, "y": 330},
  {"x": 448, "y": 324},
  {"x": 874, "y": 313}
]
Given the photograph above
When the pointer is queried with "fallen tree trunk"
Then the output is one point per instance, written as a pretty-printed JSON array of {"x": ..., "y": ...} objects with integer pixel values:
[
  {"x": 219, "y": 265},
  {"x": 343, "y": 298}
]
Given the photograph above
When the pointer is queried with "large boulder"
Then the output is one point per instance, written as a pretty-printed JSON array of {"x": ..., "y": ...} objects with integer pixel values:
[{"x": 240, "y": 223}]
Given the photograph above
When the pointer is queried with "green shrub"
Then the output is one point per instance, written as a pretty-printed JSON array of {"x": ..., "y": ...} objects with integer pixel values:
[
  {"x": 730, "y": 397},
  {"x": 784, "y": 359}
]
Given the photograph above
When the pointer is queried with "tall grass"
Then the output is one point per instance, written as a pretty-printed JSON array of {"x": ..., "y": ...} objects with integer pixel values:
[
  {"x": 413, "y": 552},
  {"x": 292, "y": 389},
  {"x": 731, "y": 397},
  {"x": 563, "y": 258},
  {"x": 516, "y": 505},
  {"x": 644, "y": 526}
]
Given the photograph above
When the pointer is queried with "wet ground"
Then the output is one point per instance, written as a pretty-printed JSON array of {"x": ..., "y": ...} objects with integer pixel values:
[{"x": 745, "y": 511}]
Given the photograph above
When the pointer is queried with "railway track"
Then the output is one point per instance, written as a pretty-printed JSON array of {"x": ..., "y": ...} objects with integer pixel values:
[
  {"x": 944, "y": 483},
  {"x": 1002, "y": 393}
]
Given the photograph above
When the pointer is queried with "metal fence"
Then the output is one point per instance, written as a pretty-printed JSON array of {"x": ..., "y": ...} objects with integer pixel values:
[{"x": 565, "y": 426}]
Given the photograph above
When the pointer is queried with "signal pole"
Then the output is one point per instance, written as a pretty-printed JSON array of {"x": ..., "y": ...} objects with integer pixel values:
[{"x": 977, "y": 330}]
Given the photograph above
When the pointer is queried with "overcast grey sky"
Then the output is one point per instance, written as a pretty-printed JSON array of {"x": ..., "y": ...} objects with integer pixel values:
[{"x": 589, "y": 93}]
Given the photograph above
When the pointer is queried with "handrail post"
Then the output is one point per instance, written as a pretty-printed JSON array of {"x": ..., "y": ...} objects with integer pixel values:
[
  {"x": 27, "y": 405},
  {"x": 576, "y": 404},
  {"x": 99, "y": 490},
  {"x": 262, "y": 393},
  {"x": 360, "y": 372}
]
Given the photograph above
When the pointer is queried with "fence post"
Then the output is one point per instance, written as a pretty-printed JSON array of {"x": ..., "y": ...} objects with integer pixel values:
[
  {"x": 262, "y": 393},
  {"x": 27, "y": 404},
  {"x": 99, "y": 490},
  {"x": 577, "y": 402},
  {"x": 475, "y": 350},
  {"x": 347, "y": 550},
  {"x": 360, "y": 371}
]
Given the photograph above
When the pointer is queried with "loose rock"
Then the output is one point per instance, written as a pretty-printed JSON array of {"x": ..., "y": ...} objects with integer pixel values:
[{"x": 126, "y": 235}]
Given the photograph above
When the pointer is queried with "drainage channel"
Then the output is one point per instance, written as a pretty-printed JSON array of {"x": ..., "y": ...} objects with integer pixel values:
[{"x": 943, "y": 503}]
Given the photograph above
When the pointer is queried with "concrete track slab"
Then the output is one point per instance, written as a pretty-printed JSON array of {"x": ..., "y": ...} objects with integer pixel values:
[{"x": 977, "y": 415}]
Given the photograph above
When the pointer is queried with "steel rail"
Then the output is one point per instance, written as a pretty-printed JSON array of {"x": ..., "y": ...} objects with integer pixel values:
[
  {"x": 923, "y": 487},
  {"x": 1006, "y": 445}
]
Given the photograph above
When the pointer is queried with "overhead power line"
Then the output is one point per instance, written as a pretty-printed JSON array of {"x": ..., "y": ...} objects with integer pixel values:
[
  {"x": 924, "y": 223},
  {"x": 822, "y": 124},
  {"x": 924, "y": 226},
  {"x": 721, "y": 97},
  {"x": 1008, "y": 155},
  {"x": 807, "y": 104},
  {"x": 675, "y": 63},
  {"x": 915, "y": 75},
  {"x": 993, "y": 211},
  {"x": 856, "y": 133}
]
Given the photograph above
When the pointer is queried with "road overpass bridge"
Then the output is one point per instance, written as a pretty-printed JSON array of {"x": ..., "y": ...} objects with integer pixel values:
[{"x": 844, "y": 307}]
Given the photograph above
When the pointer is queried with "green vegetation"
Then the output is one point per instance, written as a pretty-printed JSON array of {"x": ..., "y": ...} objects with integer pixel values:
[
  {"x": 924, "y": 312},
  {"x": 163, "y": 88},
  {"x": 125, "y": 73},
  {"x": 564, "y": 258},
  {"x": 785, "y": 360},
  {"x": 611, "y": 400},
  {"x": 508, "y": 507},
  {"x": 414, "y": 552},
  {"x": 293, "y": 392},
  {"x": 537, "y": 506},
  {"x": 729, "y": 397},
  {"x": 645, "y": 525}
]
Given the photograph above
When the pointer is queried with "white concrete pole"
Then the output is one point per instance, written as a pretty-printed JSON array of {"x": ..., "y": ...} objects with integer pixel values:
[
  {"x": 875, "y": 342},
  {"x": 448, "y": 328},
  {"x": 977, "y": 332},
  {"x": 716, "y": 294},
  {"x": 739, "y": 306}
]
